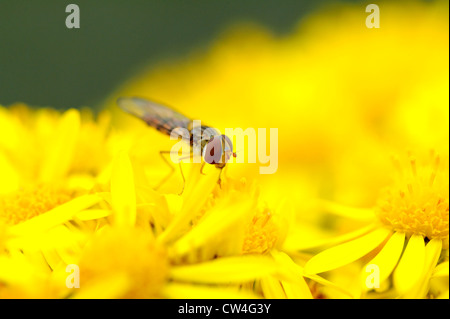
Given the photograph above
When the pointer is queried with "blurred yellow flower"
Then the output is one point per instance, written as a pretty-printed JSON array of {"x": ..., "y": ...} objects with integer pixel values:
[
  {"x": 413, "y": 210},
  {"x": 342, "y": 95},
  {"x": 31, "y": 250},
  {"x": 46, "y": 175},
  {"x": 46, "y": 146}
]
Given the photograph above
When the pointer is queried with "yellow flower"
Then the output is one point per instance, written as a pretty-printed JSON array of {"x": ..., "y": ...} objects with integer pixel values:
[
  {"x": 48, "y": 163},
  {"x": 127, "y": 260},
  {"x": 131, "y": 264},
  {"x": 31, "y": 250},
  {"x": 119, "y": 258},
  {"x": 418, "y": 202},
  {"x": 44, "y": 215},
  {"x": 414, "y": 211},
  {"x": 48, "y": 159},
  {"x": 209, "y": 224},
  {"x": 130, "y": 257},
  {"x": 46, "y": 147}
]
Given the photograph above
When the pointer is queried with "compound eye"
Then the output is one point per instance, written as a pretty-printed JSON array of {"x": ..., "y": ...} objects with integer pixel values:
[{"x": 213, "y": 151}]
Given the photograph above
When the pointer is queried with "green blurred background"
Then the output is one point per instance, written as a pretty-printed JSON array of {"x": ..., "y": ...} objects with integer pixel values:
[{"x": 42, "y": 63}]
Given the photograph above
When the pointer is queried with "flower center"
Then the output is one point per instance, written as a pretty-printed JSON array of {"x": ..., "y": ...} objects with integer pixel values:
[
  {"x": 262, "y": 233},
  {"x": 129, "y": 252},
  {"x": 31, "y": 201},
  {"x": 418, "y": 202},
  {"x": 263, "y": 230}
]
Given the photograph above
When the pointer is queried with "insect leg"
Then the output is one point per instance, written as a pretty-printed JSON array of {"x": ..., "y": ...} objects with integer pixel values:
[
  {"x": 201, "y": 168},
  {"x": 172, "y": 169},
  {"x": 182, "y": 175},
  {"x": 220, "y": 175},
  {"x": 220, "y": 178}
]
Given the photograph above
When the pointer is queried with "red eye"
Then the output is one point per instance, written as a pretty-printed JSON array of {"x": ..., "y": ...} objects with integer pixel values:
[{"x": 213, "y": 151}]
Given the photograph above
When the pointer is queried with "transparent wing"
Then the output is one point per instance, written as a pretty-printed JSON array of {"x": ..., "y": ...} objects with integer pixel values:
[{"x": 156, "y": 115}]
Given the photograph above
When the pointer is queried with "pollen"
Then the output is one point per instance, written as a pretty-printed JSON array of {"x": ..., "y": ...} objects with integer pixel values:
[
  {"x": 31, "y": 201},
  {"x": 132, "y": 253},
  {"x": 418, "y": 201},
  {"x": 262, "y": 233}
]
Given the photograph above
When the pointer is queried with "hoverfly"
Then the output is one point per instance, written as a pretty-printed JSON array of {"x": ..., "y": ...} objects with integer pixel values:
[{"x": 216, "y": 149}]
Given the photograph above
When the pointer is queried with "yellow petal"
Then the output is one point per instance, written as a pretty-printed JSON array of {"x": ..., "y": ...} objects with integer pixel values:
[
  {"x": 197, "y": 189},
  {"x": 10, "y": 177},
  {"x": 52, "y": 257},
  {"x": 219, "y": 223},
  {"x": 346, "y": 253},
  {"x": 16, "y": 270},
  {"x": 188, "y": 291},
  {"x": 289, "y": 269},
  {"x": 441, "y": 270},
  {"x": 272, "y": 288},
  {"x": 410, "y": 267},
  {"x": 123, "y": 193},
  {"x": 54, "y": 217},
  {"x": 59, "y": 158},
  {"x": 330, "y": 284},
  {"x": 432, "y": 252},
  {"x": 90, "y": 214},
  {"x": 347, "y": 212},
  {"x": 304, "y": 238},
  {"x": 294, "y": 285},
  {"x": 298, "y": 290},
  {"x": 226, "y": 270},
  {"x": 387, "y": 258},
  {"x": 106, "y": 287}
]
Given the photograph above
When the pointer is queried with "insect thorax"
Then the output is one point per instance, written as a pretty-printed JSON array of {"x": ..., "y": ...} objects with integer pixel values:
[{"x": 201, "y": 135}]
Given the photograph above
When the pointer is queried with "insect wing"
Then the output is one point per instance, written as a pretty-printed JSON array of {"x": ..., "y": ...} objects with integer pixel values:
[{"x": 161, "y": 117}]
